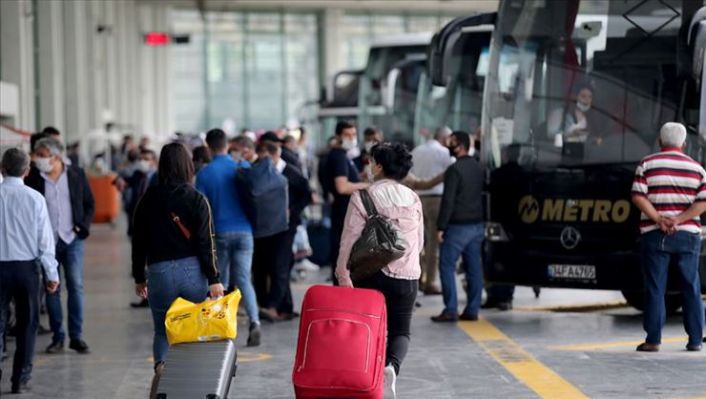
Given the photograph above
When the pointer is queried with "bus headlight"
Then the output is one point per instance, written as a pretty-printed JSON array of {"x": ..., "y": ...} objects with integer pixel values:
[{"x": 494, "y": 232}]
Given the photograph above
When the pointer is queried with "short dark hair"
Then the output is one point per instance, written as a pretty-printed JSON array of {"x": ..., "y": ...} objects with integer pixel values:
[
  {"x": 371, "y": 131},
  {"x": 216, "y": 139},
  {"x": 270, "y": 136},
  {"x": 175, "y": 166},
  {"x": 35, "y": 138},
  {"x": 268, "y": 147},
  {"x": 463, "y": 139},
  {"x": 133, "y": 155},
  {"x": 245, "y": 141},
  {"x": 343, "y": 125},
  {"x": 51, "y": 130},
  {"x": 147, "y": 151},
  {"x": 15, "y": 162},
  {"x": 201, "y": 154},
  {"x": 395, "y": 159},
  {"x": 289, "y": 139}
]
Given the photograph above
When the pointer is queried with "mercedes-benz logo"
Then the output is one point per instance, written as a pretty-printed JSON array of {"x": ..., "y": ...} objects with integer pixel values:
[{"x": 570, "y": 237}]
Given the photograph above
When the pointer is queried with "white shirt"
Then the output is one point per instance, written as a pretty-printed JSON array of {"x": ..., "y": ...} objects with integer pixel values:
[
  {"x": 431, "y": 159},
  {"x": 26, "y": 233}
]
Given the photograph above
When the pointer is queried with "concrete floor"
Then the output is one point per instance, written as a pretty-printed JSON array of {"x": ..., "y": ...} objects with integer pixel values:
[{"x": 590, "y": 353}]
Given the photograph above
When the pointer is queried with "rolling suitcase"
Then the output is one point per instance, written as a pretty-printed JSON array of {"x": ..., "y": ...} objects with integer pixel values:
[
  {"x": 198, "y": 370},
  {"x": 341, "y": 346}
]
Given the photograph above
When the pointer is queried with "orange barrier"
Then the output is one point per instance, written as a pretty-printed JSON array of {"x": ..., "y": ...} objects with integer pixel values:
[{"x": 107, "y": 198}]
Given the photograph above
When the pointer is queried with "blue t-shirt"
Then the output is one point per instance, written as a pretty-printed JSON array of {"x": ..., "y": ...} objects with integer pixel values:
[{"x": 217, "y": 182}]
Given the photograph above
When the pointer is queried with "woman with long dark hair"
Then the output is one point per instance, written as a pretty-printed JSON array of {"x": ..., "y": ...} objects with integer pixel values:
[
  {"x": 173, "y": 240},
  {"x": 389, "y": 164}
]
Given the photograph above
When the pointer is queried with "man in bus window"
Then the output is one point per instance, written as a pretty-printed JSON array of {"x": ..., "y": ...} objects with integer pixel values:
[
  {"x": 580, "y": 121},
  {"x": 670, "y": 190}
]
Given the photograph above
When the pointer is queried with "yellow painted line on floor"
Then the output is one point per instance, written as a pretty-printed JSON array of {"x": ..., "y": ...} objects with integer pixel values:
[
  {"x": 596, "y": 346},
  {"x": 523, "y": 366},
  {"x": 587, "y": 307},
  {"x": 244, "y": 357}
]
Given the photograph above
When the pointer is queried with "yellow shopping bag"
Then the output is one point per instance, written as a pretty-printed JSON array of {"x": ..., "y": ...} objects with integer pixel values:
[{"x": 211, "y": 320}]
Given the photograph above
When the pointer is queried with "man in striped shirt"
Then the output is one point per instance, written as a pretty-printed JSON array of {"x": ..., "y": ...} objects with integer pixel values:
[{"x": 670, "y": 190}]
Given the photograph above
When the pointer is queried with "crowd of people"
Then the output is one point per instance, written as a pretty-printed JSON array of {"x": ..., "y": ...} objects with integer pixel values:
[{"x": 206, "y": 218}]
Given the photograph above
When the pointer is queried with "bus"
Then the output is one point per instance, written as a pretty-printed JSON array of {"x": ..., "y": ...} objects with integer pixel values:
[
  {"x": 558, "y": 195},
  {"x": 451, "y": 91},
  {"x": 363, "y": 96}
]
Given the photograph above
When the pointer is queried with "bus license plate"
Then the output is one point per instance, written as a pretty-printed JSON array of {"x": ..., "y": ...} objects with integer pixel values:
[{"x": 572, "y": 272}]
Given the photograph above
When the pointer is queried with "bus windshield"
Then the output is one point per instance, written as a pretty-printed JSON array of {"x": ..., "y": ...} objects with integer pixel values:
[{"x": 583, "y": 82}]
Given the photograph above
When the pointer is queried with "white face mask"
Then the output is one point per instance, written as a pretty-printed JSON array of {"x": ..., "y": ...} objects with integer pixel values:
[
  {"x": 369, "y": 146},
  {"x": 144, "y": 166},
  {"x": 349, "y": 144},
  {"x": 582, "y": 107},
  {"x": 43, "y": 164},
  {"x": 237, "y": 156}
]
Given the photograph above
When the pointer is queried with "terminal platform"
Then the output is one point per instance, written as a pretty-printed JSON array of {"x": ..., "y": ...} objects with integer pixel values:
[{"x": 565, "y": 344}]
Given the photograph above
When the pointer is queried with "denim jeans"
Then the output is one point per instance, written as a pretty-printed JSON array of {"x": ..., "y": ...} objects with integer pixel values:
[
  {"x": 166, "y": 281},
  {"x": 657, "y": 250},
  {"x": 464, "y": 241},
  {"x": 70, "y": 257},
  {"x": 235, "y": 252}
]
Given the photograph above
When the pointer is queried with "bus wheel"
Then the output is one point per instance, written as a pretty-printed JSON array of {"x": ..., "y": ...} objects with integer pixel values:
[{"x": 636, "y": 299}]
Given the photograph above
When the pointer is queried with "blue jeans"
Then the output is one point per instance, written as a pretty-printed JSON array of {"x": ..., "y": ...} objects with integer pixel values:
[
  {"x": 70, "y": 257},
  {"x": 657, "y": 250},
  {"x": 166, "y": 281},
  {"x": 464, "y": 241},
  {"x": 235, "y": 252}
]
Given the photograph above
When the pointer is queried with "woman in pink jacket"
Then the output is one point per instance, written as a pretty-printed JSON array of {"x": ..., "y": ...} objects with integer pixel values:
[{"x": 390, "y": 163}]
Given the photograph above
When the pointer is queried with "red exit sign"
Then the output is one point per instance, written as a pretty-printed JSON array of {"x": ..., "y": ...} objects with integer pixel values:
[{"x": 157, "y": 38}]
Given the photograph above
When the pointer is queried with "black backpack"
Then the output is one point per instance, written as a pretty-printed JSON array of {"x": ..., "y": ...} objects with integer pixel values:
[{"x": 264, "y": 197}]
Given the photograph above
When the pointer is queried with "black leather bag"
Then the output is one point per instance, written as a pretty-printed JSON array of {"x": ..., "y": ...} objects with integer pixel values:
[{"x": 379, "y": 244}]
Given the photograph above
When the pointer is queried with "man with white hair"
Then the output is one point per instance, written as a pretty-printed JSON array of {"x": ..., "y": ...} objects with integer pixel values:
[
  {"x": 26, "y": 240},
  {"x": 431, "y": 160},
  {"x": 71, "y": 207},
  {"x": 670, "y": 190}
]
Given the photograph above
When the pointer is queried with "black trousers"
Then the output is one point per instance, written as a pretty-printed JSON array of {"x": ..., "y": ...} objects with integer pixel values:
[
  {"x": 20, "y": 281},
  {"x": 400, "y": 296},
  {"x": 271, "y": 259}
]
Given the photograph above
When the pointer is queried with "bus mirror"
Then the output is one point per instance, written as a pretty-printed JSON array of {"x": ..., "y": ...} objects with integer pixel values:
[{"x": 388, "y": 99}]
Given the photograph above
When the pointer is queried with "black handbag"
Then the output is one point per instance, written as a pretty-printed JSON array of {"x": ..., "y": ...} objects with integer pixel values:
[{"x": 379, "y": 244}]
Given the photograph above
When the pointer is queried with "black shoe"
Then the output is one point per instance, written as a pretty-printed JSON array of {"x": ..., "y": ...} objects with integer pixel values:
[
  {"x": 504, "y": 306},
  {"x": 79, "y": 346},
  {"x": 20, "y": 387},
  {"x": 694, "y": 348},
  {"x": 55, "y": 347},
  {"x": 489, "y": 305},
  {"x": 41, "y": 330},
  {"x": 289, "y": 316},
  {"x": 646, "y": 347},
  {"x": 255, "y": 335},
  {"x": 445, "y": 318},
  {"x": 141, "y": 304},
  {"x": 468, "y": 317}
]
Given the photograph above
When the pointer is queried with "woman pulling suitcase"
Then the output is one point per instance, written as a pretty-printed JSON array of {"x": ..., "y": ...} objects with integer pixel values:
[
  {"x": 173, "y": 237},
  {"x": 390, "y": 163}
]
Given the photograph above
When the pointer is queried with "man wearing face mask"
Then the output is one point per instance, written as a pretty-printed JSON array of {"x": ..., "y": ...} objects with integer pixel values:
[
  {"x": 460, "y": 230},
  {"x": 343, "y": 179},
  {"x": 371, "y": 136},
  {"x": 581, "y": 122},
  {"x": 243, "y": 149},
  {"x": 71, "y": 208}
]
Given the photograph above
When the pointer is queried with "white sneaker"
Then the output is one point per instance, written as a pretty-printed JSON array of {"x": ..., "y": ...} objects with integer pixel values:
[
  {"x": 307, "y": 266},
  {"x": 390, "y": 380}
]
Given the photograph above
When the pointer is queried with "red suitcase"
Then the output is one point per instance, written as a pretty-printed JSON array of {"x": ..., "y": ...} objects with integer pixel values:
[{"x": 341, "y": 347}]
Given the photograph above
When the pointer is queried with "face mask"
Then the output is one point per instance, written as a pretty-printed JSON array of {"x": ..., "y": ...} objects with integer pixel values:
[
  {"x": 349, "y": 144},
  {"x": 582, "y": 107},
  {"x": 369, "y": 146},
  {"x": 237, "y": 156},
  {"x": 144, "y": 166},
  {"x": 44, "y": 164}
]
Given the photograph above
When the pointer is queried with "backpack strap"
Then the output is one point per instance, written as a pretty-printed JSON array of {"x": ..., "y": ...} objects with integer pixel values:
[{"x": 368, "y": 203}]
